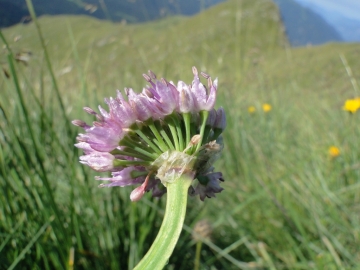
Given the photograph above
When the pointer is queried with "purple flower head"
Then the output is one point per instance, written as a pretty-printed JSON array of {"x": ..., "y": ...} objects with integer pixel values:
[{"x": 150, "y": 139}]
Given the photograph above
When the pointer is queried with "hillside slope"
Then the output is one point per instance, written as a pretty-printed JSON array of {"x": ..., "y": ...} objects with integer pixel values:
[
  {"x": 235, "y": 31},
  {"x": 239, "y": 39}
]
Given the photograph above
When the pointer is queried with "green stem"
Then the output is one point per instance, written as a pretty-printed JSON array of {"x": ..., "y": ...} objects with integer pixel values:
[
  {"x": 167, "y": 139},
  {"x": 197, "y": 255},
  {"x": 172, "y": 128},
  {"x": 147, "y": 140},
  {"x": 180, "y": 133},
  {"x": 204, "y": 117},
  {"x": 164, "y": 244},
  {"x": 186, "y": 117},
  {"x": 136, "y": 146},
  {"x": 154, "y": 130},
  {"x": 118, "y": 162}
]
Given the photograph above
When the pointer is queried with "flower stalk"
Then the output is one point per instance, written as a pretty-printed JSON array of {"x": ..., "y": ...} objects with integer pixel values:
[{"x": 164, "y": 244}]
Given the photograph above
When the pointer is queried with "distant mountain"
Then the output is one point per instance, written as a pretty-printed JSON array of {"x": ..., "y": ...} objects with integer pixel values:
[
  {"x": 304, "y": 26},
  {"x": 348, "y": 28},
  {"x": 13, "y": 11}
]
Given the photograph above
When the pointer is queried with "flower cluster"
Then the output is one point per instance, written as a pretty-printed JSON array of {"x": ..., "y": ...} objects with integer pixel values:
[
  {"x": 151, "y": 138},
  {"x": 334, "y": 151},
  {"x": 352, "y": 105},
  {"x": 265, "y": 107}
]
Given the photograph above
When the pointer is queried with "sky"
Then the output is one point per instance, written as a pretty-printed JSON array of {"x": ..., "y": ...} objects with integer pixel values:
[{"x": 347, "y": 8}]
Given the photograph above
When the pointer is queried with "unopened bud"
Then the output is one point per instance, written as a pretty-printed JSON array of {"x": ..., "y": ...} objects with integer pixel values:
[
  {"x": 220, "y": 121},
  {"x": 195, "y": 139},
  {"x": 137, "y": 193}
]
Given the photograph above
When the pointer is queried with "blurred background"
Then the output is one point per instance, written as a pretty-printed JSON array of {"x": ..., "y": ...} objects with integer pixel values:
[
  {"x": 306, "y": 22},
  {"x": 288, "y": 79}
]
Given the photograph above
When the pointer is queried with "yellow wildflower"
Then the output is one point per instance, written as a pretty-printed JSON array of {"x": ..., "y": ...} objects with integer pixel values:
[
  {"x": 352, "y": 105},
  {"x": 334, "y": 151},
  {"x": 266, "y": 107},
  {"x": 251, "y": 109}
]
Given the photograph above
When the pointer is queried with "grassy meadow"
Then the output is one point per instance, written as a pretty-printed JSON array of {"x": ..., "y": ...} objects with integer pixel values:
[{"x": 287, "y": 204}]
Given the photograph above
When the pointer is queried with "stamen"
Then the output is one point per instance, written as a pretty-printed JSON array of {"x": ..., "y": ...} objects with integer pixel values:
[
  {"x": 152, "y": 74},
  {"x": 98, "y": 124},
  {"x": 210, "y": 83},
  {"x": 164, "y": 81},
  {"x": 205, "y": 75},
  {"x": 89, "y": 111},
  {"x": 92, "y": 112},
  {"x": 148, "y": 93},
  {"x": 80, "y": 123},
  {"x": 195, "y": 72},
  {"x": 133, "y": 105},
  {"x": 81, "y": 139},
  {"x": 147, "y": 77},
  {"x": 119, "y": 96}
]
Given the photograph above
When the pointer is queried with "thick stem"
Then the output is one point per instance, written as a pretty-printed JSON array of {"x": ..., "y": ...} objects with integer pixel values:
[{"x": 164, "y": 244}]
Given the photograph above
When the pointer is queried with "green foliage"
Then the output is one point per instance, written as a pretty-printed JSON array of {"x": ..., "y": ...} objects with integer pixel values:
[{"x": 286, "y": 205}]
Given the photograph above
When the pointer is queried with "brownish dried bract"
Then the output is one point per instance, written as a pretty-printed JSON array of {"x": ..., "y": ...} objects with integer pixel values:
[
  {"x": 91, "y": 8},
  {"x": 26, "y": 19},
  {"x": 6, "y": 72},
  {"x": 17, "y": 38},
  {"x": 23, "y": 57},
  {"x": 202, "y": 230}
]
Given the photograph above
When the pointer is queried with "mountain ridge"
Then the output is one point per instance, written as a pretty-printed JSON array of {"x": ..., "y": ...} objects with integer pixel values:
[
  {"x": 113, "y": 10},
  {"x": 304, "y": 26},
  {"x": 212, "y": 30}
]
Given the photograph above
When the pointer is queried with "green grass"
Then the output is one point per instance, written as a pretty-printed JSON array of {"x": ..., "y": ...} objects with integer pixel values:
[{"x": 286, "y": 203}]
